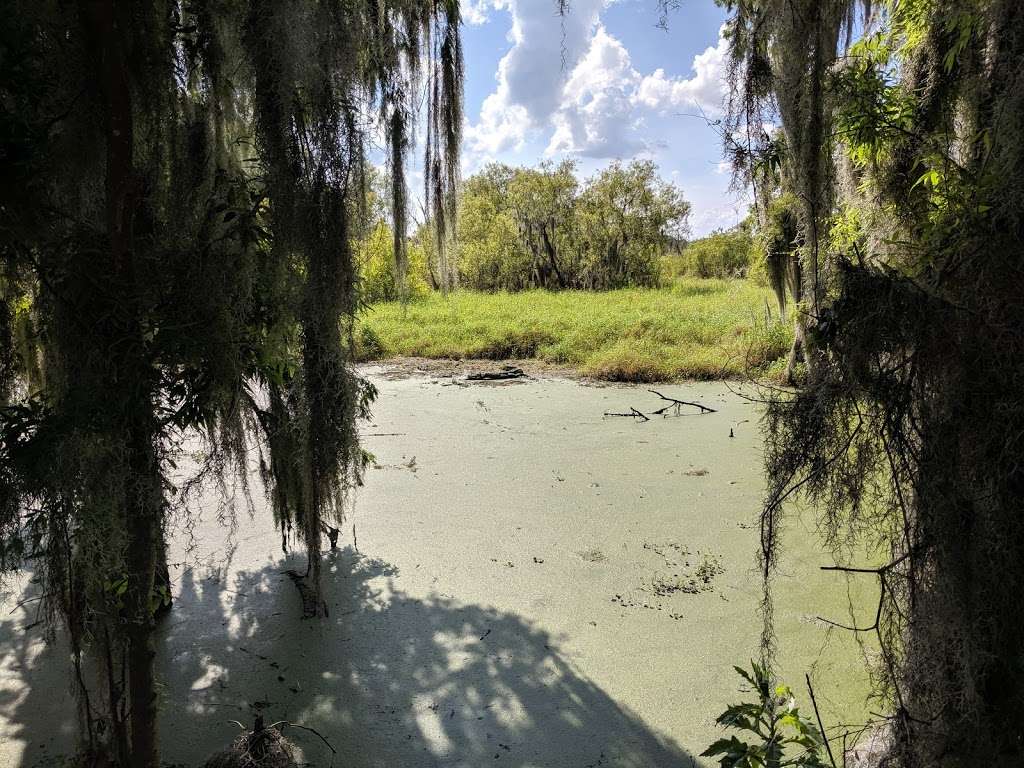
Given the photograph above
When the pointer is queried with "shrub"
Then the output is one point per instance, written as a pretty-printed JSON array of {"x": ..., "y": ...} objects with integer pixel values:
[
  {"x": 720, "y": 254},
  {"x": 368, "y": 343},
  {"x": 514, "y": 344},
  {"x": 492, "y": 259},
  {"x": 376, "y": 259},
  {"x": 766, "y": 342}
]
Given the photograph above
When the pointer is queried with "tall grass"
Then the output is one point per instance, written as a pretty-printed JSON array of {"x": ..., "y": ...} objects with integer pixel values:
[{"x": 693, "y": 328}]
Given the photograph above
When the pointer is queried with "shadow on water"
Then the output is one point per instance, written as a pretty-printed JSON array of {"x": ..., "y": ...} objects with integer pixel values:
[
  {"x": 390, "y": 680},
  {"x": 36, "y": 703}
]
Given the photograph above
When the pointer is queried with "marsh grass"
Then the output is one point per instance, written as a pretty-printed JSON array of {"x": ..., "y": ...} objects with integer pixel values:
[{"x": 692, "y": 328}]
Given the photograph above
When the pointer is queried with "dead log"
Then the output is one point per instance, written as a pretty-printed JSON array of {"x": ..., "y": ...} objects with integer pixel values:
[{"x": 506, "y": 372}]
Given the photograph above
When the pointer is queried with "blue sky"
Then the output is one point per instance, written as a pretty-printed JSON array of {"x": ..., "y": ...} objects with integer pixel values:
[{"x": 602, "y": 83}]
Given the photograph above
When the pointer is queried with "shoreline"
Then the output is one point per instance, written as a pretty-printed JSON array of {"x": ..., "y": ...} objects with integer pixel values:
[{"x": 405, "y": 367}]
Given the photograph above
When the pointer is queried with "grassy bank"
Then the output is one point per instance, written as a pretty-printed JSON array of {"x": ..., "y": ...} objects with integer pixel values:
[{"x": 700, "y": 329}]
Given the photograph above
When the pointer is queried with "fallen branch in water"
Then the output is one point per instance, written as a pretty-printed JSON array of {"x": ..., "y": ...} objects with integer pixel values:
[
  {"x": 678, "y": 404},
  {"x": 633, "y": 413}
]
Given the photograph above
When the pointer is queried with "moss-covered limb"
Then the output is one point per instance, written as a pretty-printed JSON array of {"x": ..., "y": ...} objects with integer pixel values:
[
  {"x": 311, "y": 136},
  {"x": 169, "y": 293},
  {"x": 902, "y": 431}
]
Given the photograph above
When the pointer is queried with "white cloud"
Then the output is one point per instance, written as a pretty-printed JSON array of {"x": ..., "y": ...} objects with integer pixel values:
[
  {"x": 716, "y": 210},
  {"x": 530, "y": 77},
  {"x": 704, "y": 91},
  {"x": 570, "y": 76},
  {"x": 502, "y": 125},
  {"x": 596, "y": 117},
  {"x": 475, "y": 12}
]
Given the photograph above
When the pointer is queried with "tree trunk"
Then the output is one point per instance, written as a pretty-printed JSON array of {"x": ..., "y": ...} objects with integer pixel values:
[
  {"x": 144, "y": 542},
  {"x": 964, "y": 674},
  {"x": 796, "y": 354},
  {"x": 107, "y": 24},
  {"x": 801, "y": 351},
  {"x": 549, "y": 247},
  {"x": 312, "y": 591},
  {"x": 162, "y": 581}
]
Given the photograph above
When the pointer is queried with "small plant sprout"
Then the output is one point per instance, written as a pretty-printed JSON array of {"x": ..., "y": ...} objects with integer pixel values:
[{"x": 773, "y": 732}]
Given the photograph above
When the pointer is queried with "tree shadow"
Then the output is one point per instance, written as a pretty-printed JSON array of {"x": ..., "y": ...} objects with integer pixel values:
[
  {"x": 37, "y": 706},
  {"x": 387, "y": 679}
]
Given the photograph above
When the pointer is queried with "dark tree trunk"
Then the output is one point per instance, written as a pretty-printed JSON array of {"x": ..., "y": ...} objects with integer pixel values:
[
  {"x": 162, "y": 581},
  {"x": 107, "y": 23},
  {"x": 145, "y": 531},
  {"x": 964, "y": 676},
  {"x": 549, "y": 248}
]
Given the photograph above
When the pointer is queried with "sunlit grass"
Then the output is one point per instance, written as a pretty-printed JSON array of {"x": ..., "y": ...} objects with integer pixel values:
[{"x": 693, "y": 328}]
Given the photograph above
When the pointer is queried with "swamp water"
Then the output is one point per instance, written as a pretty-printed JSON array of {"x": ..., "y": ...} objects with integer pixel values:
[{"x": 529, "y": 583}]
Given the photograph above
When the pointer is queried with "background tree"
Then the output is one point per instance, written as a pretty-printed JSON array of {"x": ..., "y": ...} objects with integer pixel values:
[
  {"x": 181, "y": 187},
  {"x": 542, "y": 201},
  {"x": 720, "y": 254},
  {"x": 539, "y": 228},
  {"x": 378, "y": 273},
  {"x": 491, "y": 254},
  {"x": 627, "y": 217}
]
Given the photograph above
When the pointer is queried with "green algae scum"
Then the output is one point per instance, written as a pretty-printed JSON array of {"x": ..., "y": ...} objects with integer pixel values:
[{"x": 523, "y": 581}]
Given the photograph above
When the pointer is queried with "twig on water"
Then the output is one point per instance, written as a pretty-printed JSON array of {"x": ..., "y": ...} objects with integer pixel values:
[
  {"x": 633, "y": 413},
  {"x": 678, "y": 404},
  {"x": 306, "y": 728}
]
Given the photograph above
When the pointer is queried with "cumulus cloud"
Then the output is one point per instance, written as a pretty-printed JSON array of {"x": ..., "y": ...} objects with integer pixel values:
[
  {"x": 570, "y": 76},
  {"x": 502, "y": 125},
  {"x": 601, "y": 110},
  {"x": 530, "y": 77},
  {"x": 475, "y": 12},
  {"x": 596, "y": 115},
  {"x": 705, "y": 91}
]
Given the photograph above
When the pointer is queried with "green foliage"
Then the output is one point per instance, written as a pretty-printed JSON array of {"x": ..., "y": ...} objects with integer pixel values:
[
  {"x": 491, "y": 255},
  {"x": 774, "y": 733},
  {"x": 693, "y": 328},
  {"x": 536, "y": 227},
  {"x": 542, "y": 202},
  {"x": 722, "y": 254},
  {"x": 378, "y": 273},
  {"x": 873, "y": 107},
  {"x": 626, "y": 216}
]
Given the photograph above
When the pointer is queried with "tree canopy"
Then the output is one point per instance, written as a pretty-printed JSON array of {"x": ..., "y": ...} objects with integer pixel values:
[{"x": 540, "y": 228}]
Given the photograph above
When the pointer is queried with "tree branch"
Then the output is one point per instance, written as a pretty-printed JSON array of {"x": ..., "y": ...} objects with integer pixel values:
[{"x": 677, "y": 404}]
